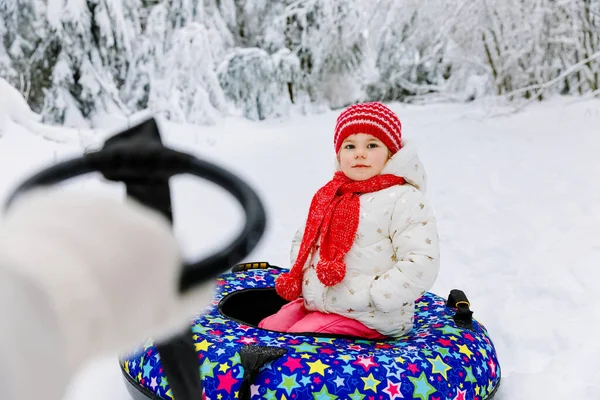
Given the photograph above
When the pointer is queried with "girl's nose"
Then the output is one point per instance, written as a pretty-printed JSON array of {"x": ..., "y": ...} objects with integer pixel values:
[{"x": 360, "y": 153}]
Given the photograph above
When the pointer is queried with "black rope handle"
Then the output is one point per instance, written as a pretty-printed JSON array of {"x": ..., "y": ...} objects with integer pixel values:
[{"x": 153, "y": 162}]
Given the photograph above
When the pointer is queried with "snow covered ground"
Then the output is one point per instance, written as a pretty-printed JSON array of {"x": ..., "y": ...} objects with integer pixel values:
[{"x": 517, "y": 200}]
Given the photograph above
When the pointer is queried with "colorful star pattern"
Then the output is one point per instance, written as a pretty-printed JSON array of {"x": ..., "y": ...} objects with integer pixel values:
[{"x": 436, "y": 360}]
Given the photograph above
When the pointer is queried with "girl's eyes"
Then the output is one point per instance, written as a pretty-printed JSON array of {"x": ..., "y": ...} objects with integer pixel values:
[{"x": 369, "y": 146}]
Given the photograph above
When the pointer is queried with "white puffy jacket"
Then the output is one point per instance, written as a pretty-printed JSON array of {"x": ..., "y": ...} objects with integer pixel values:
[{"x": 394, "y": 259}]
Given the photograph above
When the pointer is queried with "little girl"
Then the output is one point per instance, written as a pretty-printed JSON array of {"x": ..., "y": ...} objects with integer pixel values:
[{"x": 369, "y": 248}]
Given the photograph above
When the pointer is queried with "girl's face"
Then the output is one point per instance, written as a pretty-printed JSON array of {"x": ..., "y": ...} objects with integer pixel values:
[{"x": 362, "y": 156}]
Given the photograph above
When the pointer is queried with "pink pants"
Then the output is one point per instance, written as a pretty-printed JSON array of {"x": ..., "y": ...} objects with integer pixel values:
[{"x": 293, "y": 317}]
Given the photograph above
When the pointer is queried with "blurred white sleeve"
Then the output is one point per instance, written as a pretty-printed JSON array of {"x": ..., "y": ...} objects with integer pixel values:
[
  {"x": 81, "y": 276},
  {"x": 33, "y": 362}
]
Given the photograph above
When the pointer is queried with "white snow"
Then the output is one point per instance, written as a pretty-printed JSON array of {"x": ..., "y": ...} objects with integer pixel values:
[{"x": 516, "y": 197}]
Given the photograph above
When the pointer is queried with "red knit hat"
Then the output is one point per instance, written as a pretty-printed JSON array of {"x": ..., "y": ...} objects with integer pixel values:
[{"x": 370, "y": 118}]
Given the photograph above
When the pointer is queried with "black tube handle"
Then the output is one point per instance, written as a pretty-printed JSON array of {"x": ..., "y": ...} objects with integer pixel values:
[
  {"x": 463, "y": 316},
  {"x": 152, "y": 163}
]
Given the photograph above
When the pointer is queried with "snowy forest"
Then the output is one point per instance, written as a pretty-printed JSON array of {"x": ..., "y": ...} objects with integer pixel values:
[{"x": 195, "y": 60}]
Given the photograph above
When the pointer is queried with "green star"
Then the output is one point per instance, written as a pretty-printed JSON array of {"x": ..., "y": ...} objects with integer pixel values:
[
  {"x": 422, "y": 388},
  {"x": 470, "y": 377},
  {"x": 324, "y": 394},
  {"x": 324, "y": 340},
  {"x": 357, "y": 395},
  {"x": 444, "y": 352},
  {"x": 200, "y": 329},
  {"x": 235, "y": 359},
  {"x": 448, "y": 330},
  {"x": 163, "y": 382},
  {"x": 305, "y": 347},
  {"x": 207, "y": 368},
  {"x": 428, "y": 353},
  {"x": 271, "y": 395},
  {"x": 289, "y": 383}
]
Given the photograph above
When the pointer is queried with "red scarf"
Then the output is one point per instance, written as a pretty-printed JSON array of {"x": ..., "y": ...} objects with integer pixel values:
[{"x": 334, "y": 212}]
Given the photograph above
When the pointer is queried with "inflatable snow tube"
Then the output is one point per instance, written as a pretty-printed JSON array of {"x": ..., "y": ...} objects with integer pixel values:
[{"x": 447, "y": 355}]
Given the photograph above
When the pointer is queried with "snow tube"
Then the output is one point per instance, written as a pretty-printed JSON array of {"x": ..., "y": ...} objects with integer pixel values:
[{"x": 447, "y": 355}]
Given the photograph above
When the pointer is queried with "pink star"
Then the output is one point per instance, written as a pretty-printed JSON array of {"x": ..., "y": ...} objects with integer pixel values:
[
  {"x": 492, "y": 366},
  {"x": 293, "y": 364},
  {"x": 366, "y": 363},
  {"x": 393, "y": 390},
  {"x": 226, "y": 382},
  {"x": 460, "y": 394},
  {"x": 254, "y": 390},
  {"x": 246, "y": 340},
  {"x": 413, "y": 368},
  {"x": 469, "y": 337}
]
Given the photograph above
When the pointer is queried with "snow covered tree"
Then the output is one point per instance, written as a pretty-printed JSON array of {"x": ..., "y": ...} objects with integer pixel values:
[
  {"x": 28, "y": 49},
  {"x": 257, "y": 83},
  {"x": 75, "y": 60},
  {"x": 410, "y": 56},
  {"x": 186, "y": 87},
  {"x": 329, "y": 39}
]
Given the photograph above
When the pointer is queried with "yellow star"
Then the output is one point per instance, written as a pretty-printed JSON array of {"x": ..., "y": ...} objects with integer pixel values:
[
  {"x": 170, "y": 394},
  {"x": 454, "y": 338},
  {"x": 483, "y": 352},
  {"x": 304, "y": 356},
  {"x": 345, "y": 357},
  {"x": 370, "y": 383},
  {"x": 465, "y": 350},
  {"x": 477, "y": 388},
  {"x": 195, "y": 337},
  {"x": 203, "y": 345},
  {"x": 317, "y": 367},
  {"x": 400, "y": 360},
  {"x": 281, "y": 338},
  {"x": 223, "y": 367},
  {"x": 439, "y": 366},
  {"x": 219, "y": 396},
  {"x": 127, "y": 367}
]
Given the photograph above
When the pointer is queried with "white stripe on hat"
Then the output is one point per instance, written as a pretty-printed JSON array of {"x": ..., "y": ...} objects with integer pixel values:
[
  {"x": 389, "y": 113},
  {"x": 389, "y": 134},
  {"x": 389, "y": 128},
  {"x": 379, "y": 110},
  {"x": 371, "y": 114}
]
